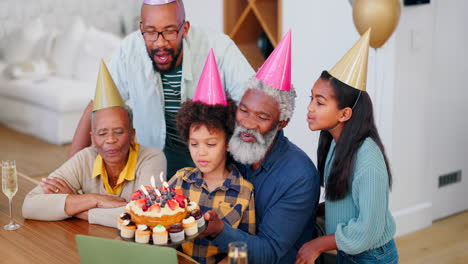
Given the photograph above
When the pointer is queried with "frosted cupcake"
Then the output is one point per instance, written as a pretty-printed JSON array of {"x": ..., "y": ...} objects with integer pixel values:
[
  {"x": 159, "y": 235},
  {"x": 121, "y": 218},
  {"x": 142, "y": 234},
  {"x": 198, "y": 215},
  {"x": 190, "y": 226},
  {"x": 128, "y": 229},
  {"x": 192, "y": 206},
  {"x": 176, "y": 232}
]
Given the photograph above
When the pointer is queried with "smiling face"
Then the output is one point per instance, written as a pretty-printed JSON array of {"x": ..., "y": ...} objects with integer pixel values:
[
  {"x": 208, "y": 149},
  {"x": 323, "y": 112},
  {"x": 165, "y": 54},
  {"x": 112, "y": 135}
]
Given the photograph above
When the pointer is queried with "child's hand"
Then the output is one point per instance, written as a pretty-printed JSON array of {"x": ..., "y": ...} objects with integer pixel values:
[
  {"x": 308, "y": 253},
  {"x": 215, "y": 225}
]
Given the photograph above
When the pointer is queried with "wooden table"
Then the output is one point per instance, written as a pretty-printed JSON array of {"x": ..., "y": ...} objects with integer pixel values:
[{"x": 45, "y": 242}]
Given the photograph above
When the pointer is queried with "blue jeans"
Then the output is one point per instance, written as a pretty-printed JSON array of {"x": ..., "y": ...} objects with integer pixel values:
[{"x": 387, "y": 253}]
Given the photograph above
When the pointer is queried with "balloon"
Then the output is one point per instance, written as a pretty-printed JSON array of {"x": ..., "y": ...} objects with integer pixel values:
[{"x": 380, "y": 15}]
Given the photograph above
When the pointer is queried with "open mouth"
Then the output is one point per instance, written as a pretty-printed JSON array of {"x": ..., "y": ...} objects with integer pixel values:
[
  {"x": 247, "y": 137},
  {"x": 161, "y": 58}
]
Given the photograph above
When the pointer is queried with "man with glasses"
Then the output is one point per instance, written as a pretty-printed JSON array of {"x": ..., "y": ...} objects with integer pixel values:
[{"x": 158, "y": 67}]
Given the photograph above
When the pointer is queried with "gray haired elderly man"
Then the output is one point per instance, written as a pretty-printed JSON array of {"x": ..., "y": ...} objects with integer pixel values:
[{"x": 285, "y": 180}]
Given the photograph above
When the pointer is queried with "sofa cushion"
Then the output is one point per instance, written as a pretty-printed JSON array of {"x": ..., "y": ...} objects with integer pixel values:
[
  {"x": 96, "y": 45},
  {"x": 22, "y": 45},
  {"x": 67, "y": 44},
  {"x": 54, "y": 93}
]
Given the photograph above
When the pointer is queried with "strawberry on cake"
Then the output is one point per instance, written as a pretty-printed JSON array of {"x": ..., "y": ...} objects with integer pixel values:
[{"x": 152, "y": 207}]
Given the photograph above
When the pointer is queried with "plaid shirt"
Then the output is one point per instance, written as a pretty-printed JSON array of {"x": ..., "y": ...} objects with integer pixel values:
[{"x": 233, "y": 202}]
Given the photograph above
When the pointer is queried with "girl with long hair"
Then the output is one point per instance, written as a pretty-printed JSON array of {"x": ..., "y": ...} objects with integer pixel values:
[{"x": 353, "y": 168}]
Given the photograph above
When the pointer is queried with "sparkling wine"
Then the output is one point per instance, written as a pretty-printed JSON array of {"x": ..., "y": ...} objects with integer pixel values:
[
  {"x": 9, "y": 184},
  {"x": 237, "y": 253},
  {"x": 237, "y": 257}
]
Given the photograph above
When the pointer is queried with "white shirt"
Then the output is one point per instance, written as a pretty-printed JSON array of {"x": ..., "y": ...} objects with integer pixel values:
[{"x": 132, "y": 71}]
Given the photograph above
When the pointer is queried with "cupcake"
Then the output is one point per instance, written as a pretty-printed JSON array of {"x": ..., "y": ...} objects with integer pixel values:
[
  {"x": 128, "y": 229},
  {"x": 192, "y": 206},
  {"x": 121, "y": 218},
  {"x": 176, "y": 232},
  {"x": 159, "y": 235},
  {"x": 142, "y": 234},
  {"x": 190, "y": 226},
  {"x": 198, "y": 215}
]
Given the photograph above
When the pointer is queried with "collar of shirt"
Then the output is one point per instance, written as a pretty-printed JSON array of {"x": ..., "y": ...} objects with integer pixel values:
[
  {"x": 127, "y": 174},
  {"x": 231, "y": 182}
]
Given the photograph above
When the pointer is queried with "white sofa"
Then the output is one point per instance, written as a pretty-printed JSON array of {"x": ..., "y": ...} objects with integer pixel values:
[{"x": 46, "y": 84}]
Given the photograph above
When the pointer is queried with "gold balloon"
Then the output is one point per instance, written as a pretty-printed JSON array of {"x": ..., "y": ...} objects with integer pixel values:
[{"x": 380, "y": 15}]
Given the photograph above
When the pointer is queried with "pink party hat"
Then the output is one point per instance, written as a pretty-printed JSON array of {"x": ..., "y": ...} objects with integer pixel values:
[
  {"x": 210, "y": 88},
  {"x": 157, "y": 2},
  {"x": 276, "y": 71}
]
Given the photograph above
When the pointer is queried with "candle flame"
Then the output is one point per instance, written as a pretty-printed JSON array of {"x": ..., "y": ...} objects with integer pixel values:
[
  {"x": 152, "y": 181},
  {"x": 161, "y": 177},
  {"x": 144, "y": 190}
]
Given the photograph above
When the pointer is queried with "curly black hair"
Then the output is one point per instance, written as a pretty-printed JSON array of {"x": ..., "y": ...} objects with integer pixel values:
[{"x": 194, "y": 113}]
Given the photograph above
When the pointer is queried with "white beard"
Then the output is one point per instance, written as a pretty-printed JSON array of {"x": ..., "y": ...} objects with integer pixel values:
[{"x": 248, "y": 153}]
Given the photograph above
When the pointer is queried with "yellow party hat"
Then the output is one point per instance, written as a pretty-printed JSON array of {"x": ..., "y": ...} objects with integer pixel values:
[
  {"x": 352, "y": 68},
  {"x": 107, "y": 94}
]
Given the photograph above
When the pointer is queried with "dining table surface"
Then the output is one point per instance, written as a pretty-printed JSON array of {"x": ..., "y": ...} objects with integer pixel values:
[{"x": 46, "y": 241}]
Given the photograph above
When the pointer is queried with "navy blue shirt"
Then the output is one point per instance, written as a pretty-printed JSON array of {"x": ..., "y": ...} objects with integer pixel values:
[{"x": 287, "y": 189}]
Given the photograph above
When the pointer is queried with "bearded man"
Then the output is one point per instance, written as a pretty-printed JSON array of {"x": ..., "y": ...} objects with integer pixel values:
[
  {"x": 285, "y": 180},
  {"x": 158, "y": 67}
]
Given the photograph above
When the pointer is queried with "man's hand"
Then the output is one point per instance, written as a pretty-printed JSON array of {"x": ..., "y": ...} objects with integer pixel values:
[
  {"x": 215, "y": 225},
  {"x": 106, "y": 201},
  {"x": 55, "y": 185}
]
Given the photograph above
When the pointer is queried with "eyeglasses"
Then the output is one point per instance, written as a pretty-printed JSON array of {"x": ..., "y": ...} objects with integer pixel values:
[{"x": 168, "y": 35}]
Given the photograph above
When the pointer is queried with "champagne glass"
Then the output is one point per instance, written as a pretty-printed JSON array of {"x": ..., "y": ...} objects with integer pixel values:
[
  {"x": 9, "y": 187},
  {"x": 237, "y": 253}
]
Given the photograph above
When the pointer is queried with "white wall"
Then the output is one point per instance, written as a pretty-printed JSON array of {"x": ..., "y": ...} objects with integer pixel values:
[
  {"x": 206, "y": 13},
  {"x": 447, "y": 140},
  {"x": 429, "y": 121},
  {"x": 411, "y": 198}
]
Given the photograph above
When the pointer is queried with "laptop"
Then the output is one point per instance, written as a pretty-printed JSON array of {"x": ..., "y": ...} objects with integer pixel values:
[{"x": 100, "y": 250}]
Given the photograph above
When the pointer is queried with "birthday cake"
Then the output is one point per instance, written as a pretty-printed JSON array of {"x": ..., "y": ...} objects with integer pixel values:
[{"x": 163, "y": 206}]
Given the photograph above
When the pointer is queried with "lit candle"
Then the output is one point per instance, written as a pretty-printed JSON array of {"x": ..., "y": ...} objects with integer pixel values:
[
  {"x": 146, "y": 193},
  {"x": 152, "y": 183},
  {"x": 161, "y": 177},
  {"x": 164, "y": 183},
  {"x": 158, "y": 193}
]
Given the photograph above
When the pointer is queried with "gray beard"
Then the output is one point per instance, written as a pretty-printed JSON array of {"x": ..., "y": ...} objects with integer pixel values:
[{"x": 248, "y": 153}]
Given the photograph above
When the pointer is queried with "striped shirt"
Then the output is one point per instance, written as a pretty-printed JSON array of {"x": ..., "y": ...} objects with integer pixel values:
[
  {"x": 233, "y": 202},
  {"x": 172, "y": 100}
]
